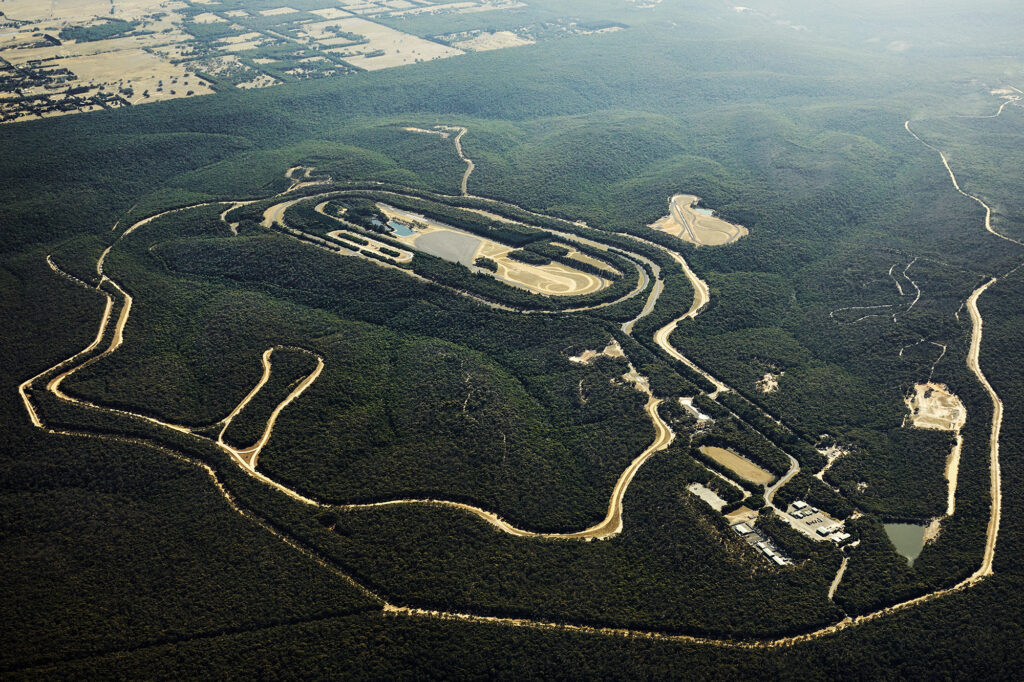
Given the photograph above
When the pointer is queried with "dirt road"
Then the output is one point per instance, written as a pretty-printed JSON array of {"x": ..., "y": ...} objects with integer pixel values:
[{"x": 995, "y": 482}]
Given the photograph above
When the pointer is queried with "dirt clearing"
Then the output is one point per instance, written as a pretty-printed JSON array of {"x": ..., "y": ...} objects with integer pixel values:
[
  {"x": 932, "y": 406},
  {"x": 739, "y": 465}
]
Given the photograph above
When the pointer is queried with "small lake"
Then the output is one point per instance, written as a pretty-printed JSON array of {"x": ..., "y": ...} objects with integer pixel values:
[
  {"x": 401, "y": 229},
  {"x": 704, "y": 211},
  {"x": 907, "y": 538}
]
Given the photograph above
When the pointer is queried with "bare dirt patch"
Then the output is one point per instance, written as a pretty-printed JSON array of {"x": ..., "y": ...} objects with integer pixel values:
[
  {"x": 932, "y": 406},
  {"x": 769, "y": 383},
  {"x": 387, "y": 47},
  {"x": 741, "y": 515},
  {"x": 492, "y": 41},
  {"x": 739, "y": 465},
  {"x": 612, "y": 350}
]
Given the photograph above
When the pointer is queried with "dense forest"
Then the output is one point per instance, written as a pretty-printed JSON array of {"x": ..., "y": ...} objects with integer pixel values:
[{"x": 134, "y": 549}]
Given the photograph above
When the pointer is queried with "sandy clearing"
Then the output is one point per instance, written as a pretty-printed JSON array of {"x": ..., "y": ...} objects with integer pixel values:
[
  {"x": 933, "y": 406},
  {"x": 612, "y": 350},
  {"x": 741, "y": 515},
  {"x": 691, "y": 225},
  {"x": 492, "y": 41},
  {"x": 769, "y": 383},
  {"x": 739, "y": 465},
  {"x": 412, "y": 129},
  {"x": 831, "y": 454}
]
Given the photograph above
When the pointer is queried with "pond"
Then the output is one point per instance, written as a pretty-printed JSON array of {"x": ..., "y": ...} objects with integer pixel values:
[
  {"x": 704, "y": 211},
  {"x": 907, "y": 538},
  {"x": 401, "y": 229}
]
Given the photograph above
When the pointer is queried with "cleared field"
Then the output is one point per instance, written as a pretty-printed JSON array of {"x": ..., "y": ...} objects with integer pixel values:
[
  {"x": 330, "y": 13},
  {"x": 492, "y": 41},
  {"x": 612, "y": 350},
  {"x": 387, "y": 47},
  {"x": 444, "y": 241},
  {"x": 278, "y": 11},
  {"x": 932, "y": 406},
  {"x": 72, "y": 11},
  {"x": 695, "y": 225},
  {"x": 741, "y": 466},
  {"x": 708, "y": 495}
]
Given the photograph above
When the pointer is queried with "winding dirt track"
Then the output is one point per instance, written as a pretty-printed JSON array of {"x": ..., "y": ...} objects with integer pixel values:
[
  {"x": 956, "y": 184},
  {"x": 458, "y": 148},
  {"x": 611, "y": 525},
  {"x": 701, "y": 297}
]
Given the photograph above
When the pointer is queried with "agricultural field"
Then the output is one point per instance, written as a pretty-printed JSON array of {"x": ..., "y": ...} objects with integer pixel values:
[
  {"x": 384, "y": 360},
  {"x": 91, "y": 55}
]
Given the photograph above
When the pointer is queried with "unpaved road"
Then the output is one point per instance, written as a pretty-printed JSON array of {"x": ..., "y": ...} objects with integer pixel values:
[
  {"x": 838, "y": 579},
  {"x": 956, "y": 185},
  {"x": 995, "y": 482},
  {"x": 250, "y": 454},
  {"x": 458, "y": 148}
]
